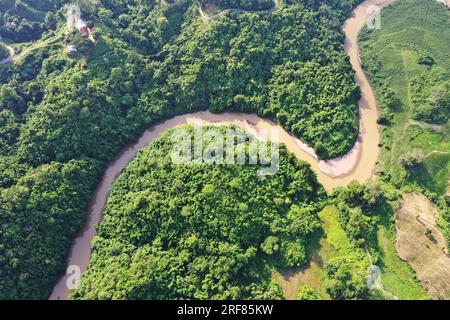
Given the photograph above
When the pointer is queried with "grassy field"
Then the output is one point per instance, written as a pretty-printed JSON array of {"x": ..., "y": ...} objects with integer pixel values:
[
  {"x": 434, "y": 172},
  {"x": 331, "y": 243},
  {"x": 397, "y": 277},
  {"x": 410, "y": 30},
  {"x": 391, "y": 55}
]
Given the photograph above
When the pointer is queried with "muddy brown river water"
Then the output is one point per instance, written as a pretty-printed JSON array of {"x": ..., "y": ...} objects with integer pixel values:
[{"x": 358, "y": 164}]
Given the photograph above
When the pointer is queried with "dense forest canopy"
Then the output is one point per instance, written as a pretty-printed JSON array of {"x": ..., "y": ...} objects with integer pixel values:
[
  {"x": 240, "y": 4},
  {"x": 26, "y": 20},
  {"x": 431, "y": 96},
  {"x": 177, "y": 231},
  {"x": 62, "y": 117}
]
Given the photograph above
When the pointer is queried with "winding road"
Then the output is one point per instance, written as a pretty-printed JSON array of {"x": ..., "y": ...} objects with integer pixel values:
[{"x": 358, "y": 164}]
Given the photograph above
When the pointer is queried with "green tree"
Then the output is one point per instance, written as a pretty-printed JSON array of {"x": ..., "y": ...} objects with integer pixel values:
[
  {"x": 306, "y": 293},
  {"x": 343, "y": 283},
  {"x": 412, "y": 158}
]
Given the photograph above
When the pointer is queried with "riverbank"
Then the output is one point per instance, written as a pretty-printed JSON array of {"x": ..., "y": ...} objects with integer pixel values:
[
  {"x": 205, "y": 16},
  {"x": 396, "y": 67},
  {"x": 358, "y": 165}
]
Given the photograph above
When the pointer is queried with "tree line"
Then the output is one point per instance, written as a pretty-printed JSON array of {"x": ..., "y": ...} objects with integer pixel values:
[{"x": 63, "y": 118}]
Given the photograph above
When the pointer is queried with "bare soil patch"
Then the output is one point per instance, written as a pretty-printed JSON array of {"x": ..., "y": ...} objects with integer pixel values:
[
  {"x": 310, "y": 275},
  {"x": 421, "y": 243}
]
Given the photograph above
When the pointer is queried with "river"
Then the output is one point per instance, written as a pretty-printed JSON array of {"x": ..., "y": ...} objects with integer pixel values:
[{"x": 358, "y": 164}]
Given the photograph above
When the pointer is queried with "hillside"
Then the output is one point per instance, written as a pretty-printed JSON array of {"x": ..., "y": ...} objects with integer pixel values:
[
  {"x": 90, "y": 82},
  {"x": 408, "y": 61},
  {"x": 64, "y": 116},
  {"x": 174, "y": 231},
  {"x": 26, "y": 20},
  {"x": 4, "y": 52}
]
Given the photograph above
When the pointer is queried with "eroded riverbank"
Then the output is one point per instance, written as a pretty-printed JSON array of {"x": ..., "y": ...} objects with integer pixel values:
[
  {"x": 358, "y": 164},
  {"x": 8, "y": 59}
]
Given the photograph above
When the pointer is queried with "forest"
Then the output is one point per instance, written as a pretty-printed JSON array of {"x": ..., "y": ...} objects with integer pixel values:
[
  {"x": 212, "y": 231},
  {"x": 63, "y": 117},
  {"x": 431, "y": 96},
  {"x": 240, "y": 4},
  {"x": 4, "y": 52},
  {"x": 25, "y": 20},
  {"x": 410, "y": 74},
  {"x": 201, "y": 231}
]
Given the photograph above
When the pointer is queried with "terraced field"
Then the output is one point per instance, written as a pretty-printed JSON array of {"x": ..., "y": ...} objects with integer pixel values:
[{"x": 391, "y": 56}]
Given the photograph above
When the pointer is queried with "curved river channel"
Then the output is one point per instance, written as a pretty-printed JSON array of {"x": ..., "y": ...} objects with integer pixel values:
[{"x": 358, "y": 164}]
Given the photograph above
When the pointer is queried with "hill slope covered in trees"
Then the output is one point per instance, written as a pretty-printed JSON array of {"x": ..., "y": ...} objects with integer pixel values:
[
  {"x": 408, "y": 61},
  {"x": 4, "y": 52},
  {"x": 62, "y": 117},
  {"x": 202, "y": 231}
]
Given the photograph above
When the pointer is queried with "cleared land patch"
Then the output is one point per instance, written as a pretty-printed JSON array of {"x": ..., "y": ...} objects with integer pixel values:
[{"x": 421, "y": 244}]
